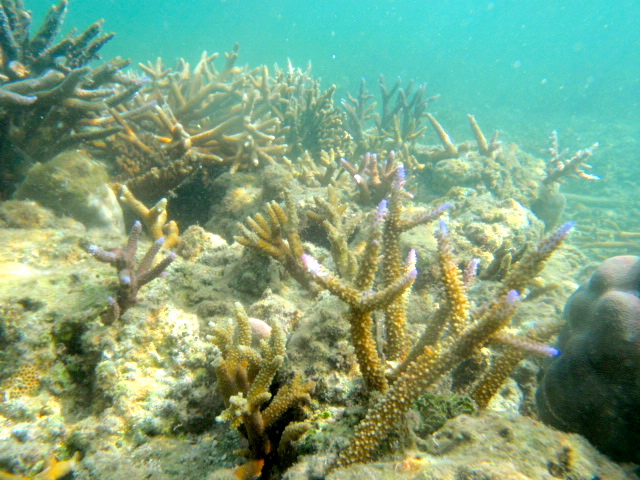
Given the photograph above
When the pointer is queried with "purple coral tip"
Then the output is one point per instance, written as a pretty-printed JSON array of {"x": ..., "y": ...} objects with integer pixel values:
[
  {"x": 412, "y": 257},
  {"x": 564, "y": 229},
  {"x": 513, "y": 296},
  {"x": 552, "y": 352},
  {"x": 310, "y": 264},
  {"x": 443, "y": 227},
  {"x": 382, "y": 210}
]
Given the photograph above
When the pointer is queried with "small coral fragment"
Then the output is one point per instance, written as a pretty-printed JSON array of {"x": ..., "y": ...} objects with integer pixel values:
[{"x": 131, "y": 276}]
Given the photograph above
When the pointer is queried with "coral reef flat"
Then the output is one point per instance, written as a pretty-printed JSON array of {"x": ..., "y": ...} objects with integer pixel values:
[{"x": 212, "y": 270}]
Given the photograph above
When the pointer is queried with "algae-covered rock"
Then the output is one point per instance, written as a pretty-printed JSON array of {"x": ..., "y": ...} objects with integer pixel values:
[{"x": 74, "y": 185}]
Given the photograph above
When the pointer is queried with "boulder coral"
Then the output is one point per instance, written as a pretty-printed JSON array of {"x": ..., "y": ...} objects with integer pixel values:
[{"x": 593, "y": 387}]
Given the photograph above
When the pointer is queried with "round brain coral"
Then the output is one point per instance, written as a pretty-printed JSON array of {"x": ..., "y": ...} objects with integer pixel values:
[{"x": 593, "y": 387}]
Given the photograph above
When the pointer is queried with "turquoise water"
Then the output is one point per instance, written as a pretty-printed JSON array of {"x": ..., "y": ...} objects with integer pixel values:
[{"x": 514, "y": 63}]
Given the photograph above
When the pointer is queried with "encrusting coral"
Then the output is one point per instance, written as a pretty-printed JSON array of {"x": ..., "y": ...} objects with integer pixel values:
[
  {"x": 131, "y": 277},
  {"x": 244, "y": 376}
]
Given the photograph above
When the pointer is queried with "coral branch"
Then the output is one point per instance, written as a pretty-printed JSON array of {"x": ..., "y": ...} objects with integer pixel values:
[{"x": 131, "y": 277}]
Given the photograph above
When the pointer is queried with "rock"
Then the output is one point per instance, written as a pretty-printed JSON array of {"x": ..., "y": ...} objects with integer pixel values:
[{"x": 74, "y": 185}]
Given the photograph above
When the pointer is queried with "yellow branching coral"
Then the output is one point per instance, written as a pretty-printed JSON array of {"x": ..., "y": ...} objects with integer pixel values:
[
  {"x": 278, "y": 238},
  {"x": 450, "y": 150},
  {"x": 338, "y": 228},
  {"x": 154, "y": 218},
  {"x": 398, "y": 277},
  {"x": 456, "y": 334},
  {"x": 244, "y": 376}
]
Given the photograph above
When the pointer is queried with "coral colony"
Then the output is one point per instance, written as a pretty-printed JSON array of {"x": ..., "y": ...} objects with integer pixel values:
[
  {"x": 342, "y": 193},
  {"x": 131, "y": 276}
]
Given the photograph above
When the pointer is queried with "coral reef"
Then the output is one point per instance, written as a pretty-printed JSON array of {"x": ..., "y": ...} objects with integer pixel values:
[
  {"x": 244, "y": 375},
  {"x": 314, "y": 280}
]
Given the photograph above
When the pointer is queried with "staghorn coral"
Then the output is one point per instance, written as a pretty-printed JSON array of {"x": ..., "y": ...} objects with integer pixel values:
[
  {"x": 278, "y": 238},
  {"x": 131, "y": 276},
  {"x": 550, "y": 202},
  {"x": 449, "y": 150},
  {"x": 373, "y": 180},
  {"x": 47, "y": 87},
  {"x": 454, "y": 334},
  {"x": 397, "y": 277},
  {"x": 194, "y": 119},
  {"x": 190, "y": 119},
  {"x": 319, "y": 171},
  {"x": 397, "y": 126},
  {"x": 244, "y": 376},
  {"x": 312, "y": 121},
  {"x": 339, "y": 227},
  {"x": 154, "y": 218}
]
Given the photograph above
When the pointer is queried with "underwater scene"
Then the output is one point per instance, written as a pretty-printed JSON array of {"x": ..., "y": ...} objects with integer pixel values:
[{"x": 269, "y": 239}]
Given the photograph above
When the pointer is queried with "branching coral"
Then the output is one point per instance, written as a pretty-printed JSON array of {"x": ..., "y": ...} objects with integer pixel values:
[
  {"x": 398, "y": 276},
  {"x": 454, "y": 334},
  {"x": 373, "y": 179},
  {"x": 193, "y": 119},
  {"x": 47, "y": 87},
  {"x": 278, "y": 237},
  {"x": 244, "y": 375},
  {"x": 449, "y": 150},
  {"x": 550, "y": 203},
  {"x": 131, "y": 276},
  {"x": 559, "y": 166},
  {"x": 398, "y": 125},
  {"x": 154, "y": 218}
]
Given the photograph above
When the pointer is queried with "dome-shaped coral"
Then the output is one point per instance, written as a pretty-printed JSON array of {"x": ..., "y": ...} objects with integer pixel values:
[{"x": 593, "y": 388}]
